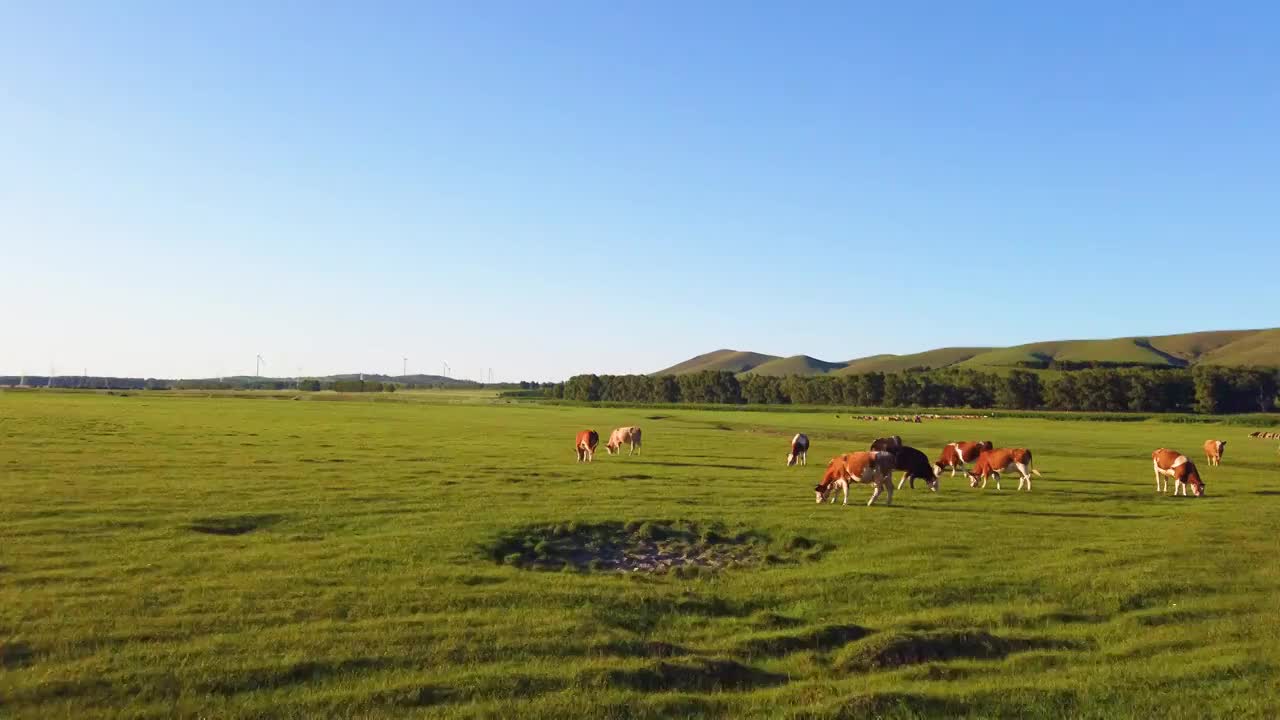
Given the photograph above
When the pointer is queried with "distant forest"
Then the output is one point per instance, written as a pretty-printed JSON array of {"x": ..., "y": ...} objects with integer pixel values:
[{"x": 1203, "y": 389}]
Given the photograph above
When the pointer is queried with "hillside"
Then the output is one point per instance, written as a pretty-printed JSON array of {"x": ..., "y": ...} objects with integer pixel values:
[
  {"x": 1218, "y": 347},
  {"x": 796, "y": 365},
  {"x": 939, "y": 358},
  {"x": 731, "y": 360}
]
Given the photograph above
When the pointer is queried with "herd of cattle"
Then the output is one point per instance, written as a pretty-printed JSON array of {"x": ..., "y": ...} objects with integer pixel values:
[{"x": 875, "y": 467}]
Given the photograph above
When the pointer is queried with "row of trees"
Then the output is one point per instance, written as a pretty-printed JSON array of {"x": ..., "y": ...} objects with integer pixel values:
[{"x": 1205, "y": 389}]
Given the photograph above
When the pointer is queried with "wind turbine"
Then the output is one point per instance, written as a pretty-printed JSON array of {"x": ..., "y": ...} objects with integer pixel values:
[
  {"x": 259, "y": 362},
  {"x": 404, "y": 371}
]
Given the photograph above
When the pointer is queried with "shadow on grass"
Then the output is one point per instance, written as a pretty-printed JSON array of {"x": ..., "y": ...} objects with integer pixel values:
[
  {"x": 719, "y": 466},
  {"x": 232, "y": 524},
  {"x": 15, "y": 655},
  {"x": 1100, "y": 516},
  {"x": 890, "y": 651},
  {"x": 689, "y": 675},
  {"x": 819, "y": 639}
]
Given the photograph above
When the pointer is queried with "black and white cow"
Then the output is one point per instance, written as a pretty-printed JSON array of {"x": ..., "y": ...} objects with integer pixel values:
[{"x": 799, "y": 450}]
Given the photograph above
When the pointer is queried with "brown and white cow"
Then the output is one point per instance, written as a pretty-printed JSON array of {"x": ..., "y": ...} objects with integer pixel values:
[
  {"x": 1213, "y": 451},
  {"x": 799, "y": 450},
  {"x": 585, "y": 445},
  {"x": 994, "y": 462},
  {"x": 623, "y": 436},
  {"x": 873, "y": 468},
  {"x": 958, "y": 454},
  {"x": 1173, "y": 464}
]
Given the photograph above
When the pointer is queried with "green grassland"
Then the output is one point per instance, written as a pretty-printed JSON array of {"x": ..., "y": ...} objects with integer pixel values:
[
  {"x": 178, "y": 555},
  {"x": 1218, "y": 347}
]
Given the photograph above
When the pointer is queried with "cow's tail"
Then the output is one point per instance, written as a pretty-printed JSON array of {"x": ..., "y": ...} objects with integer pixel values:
[{"x": 1036, "y": 472}]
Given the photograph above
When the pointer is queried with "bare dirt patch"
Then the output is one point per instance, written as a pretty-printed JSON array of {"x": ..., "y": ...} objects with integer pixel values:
[{"x": 653, "y": 546}]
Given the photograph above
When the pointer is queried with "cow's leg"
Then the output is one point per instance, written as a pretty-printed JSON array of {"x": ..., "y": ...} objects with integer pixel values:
[
  {"x": 875, "y": 493},
  {"x": 889, "y": 486},
  {"x": 1026, "y": 477},
  {"x": 903, "y": 481}
]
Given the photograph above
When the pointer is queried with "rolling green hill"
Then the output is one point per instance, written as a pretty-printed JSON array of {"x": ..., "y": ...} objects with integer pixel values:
[
  {"x": 939, "y": 358},
  {"x": 796, "y": 365},
  {"x": 732, "y": 360},
  {"x": 1218, "y": 347}
]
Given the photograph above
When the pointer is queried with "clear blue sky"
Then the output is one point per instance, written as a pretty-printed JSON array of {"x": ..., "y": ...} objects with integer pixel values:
[{"x": 551, "y": 188}]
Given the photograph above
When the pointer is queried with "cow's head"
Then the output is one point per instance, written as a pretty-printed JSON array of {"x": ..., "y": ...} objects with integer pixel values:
[
  {"x": 974, "y": 478},
  {"x": 1195, "y": 481},
  {"x": 821, "y": 491},
  {"x": 937, "y": 470}
]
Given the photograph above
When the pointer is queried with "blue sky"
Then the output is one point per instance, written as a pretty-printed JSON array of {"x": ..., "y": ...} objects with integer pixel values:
[{"x": 553, "y": 188}]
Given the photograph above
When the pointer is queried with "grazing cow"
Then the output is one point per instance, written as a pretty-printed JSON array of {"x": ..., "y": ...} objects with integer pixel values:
[
  {"x": 585, "y": 445},
  {"x": 1213, "y": 451},
  {"x": 916, "y": 465},
  {"x": 994, "y": 462},
  {"x": 875, "y": 468},
  {"x": 1173, "y": 464},
  {"x": 623, "y": 436},
  {"x": 957, "y": 454},
  {"x": 887, "y": 444},
  {"x": 799, "y": 450}
]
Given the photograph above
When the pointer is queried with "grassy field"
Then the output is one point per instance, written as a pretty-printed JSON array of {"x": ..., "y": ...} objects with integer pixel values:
[{"x": 185, "y": 556}]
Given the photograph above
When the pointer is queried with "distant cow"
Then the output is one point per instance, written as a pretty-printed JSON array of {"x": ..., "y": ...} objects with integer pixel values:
[
  {"x": 887, "y": 444},
  {"x": 1173, "y": 464},
  {"x": 958, "y": 454},
  {"x": 916, "y": 465},
  {"x": 623, "y": 436},
  {"x": 585, "y": 445},
  {"x": 799, "y": 450},
  {"x": 1213, "y": 451},
  {"x": 994, "y": 462},
  {"x": 874, "y": 468}
]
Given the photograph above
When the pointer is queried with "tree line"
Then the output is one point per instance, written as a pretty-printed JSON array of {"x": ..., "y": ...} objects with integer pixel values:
[{"x": 1203, "y": 389}]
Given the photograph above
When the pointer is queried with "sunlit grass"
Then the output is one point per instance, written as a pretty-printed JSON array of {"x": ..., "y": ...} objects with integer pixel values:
[{"x": 168, "y": 556}]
